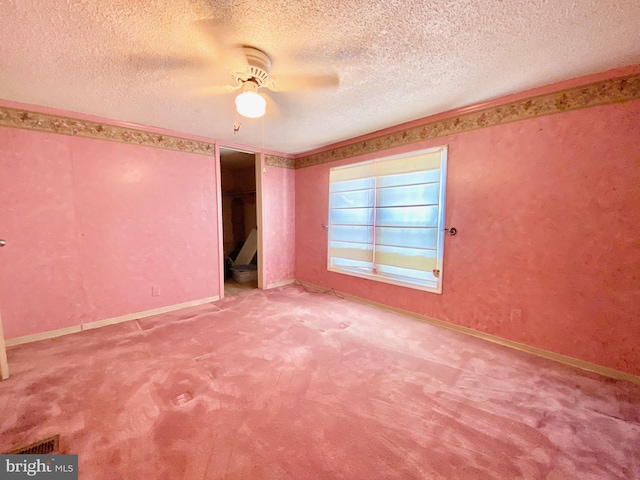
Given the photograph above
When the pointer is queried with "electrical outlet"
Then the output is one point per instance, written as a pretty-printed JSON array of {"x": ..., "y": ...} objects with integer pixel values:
[
  {"x": 516, "y": 315},
  {"x": 155, "y": 290}
]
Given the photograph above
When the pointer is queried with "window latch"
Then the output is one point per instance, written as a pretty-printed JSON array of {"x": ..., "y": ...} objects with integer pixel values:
[
  {"x": 436, "y": 273},
  {"x": 451, "y": 231}
]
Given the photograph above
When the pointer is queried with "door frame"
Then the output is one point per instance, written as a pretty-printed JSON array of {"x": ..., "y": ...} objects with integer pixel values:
[
  {"x": 259, "y": 166},
  {"x": 4, "y": 364}
]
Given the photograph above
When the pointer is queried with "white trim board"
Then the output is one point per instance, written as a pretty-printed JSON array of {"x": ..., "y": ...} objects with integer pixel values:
[
  {"x": 281, "y": 284},
  {"x": 108, "y": 321},
  {"x": 36, "y": 337},
  {"x": 219, "y": 221},
  {"x": 261, "y": 170},
  {"x": 4, "y": 365},
  {"x": 574, "y": 362},
  {"x": 148, "y": 313}
]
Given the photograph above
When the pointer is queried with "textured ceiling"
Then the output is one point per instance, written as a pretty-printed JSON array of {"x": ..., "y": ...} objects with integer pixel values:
[{"x": 150, "y": 62}]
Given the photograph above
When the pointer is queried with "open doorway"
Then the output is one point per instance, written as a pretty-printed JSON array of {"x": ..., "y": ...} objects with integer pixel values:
[{"x": 239, "y": 220}]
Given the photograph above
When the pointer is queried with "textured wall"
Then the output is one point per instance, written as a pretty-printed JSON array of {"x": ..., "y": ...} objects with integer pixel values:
[
  {"x": 279, "y": 210},
  {"x": 547, "y": 212},
  {"x": 92, "y": 225}
]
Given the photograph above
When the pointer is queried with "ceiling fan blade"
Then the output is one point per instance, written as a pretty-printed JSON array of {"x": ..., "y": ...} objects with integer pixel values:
[
  {"x": 226, "y": 54},
  {"x": 214, "y": 28},
  {"x": 285, "y": 83},
  {"x": 216, "y": 89},
  {"x": 150, "y": 61}
]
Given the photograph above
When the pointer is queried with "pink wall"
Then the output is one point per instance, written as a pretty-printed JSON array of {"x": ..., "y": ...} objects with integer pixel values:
[
  {"x": 91, "y": 225},
  {"x": 547, "y": 212},
  {"x": 278, "y": 205}
]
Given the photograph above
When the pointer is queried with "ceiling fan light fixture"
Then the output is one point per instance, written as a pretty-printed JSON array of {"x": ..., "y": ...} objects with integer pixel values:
[{"x": 250, "y": 103}]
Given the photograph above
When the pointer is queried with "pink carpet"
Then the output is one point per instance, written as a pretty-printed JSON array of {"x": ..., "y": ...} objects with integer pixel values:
[{"x": 286, "y": 384}]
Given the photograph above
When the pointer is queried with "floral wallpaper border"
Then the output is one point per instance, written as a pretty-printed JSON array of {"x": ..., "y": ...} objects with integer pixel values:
[
  {"x": 609, "y": 91},
  {"x": 44, "y": 122},
  {"x": 282, "y": 162},
  {"x": 16, "y": 118}
]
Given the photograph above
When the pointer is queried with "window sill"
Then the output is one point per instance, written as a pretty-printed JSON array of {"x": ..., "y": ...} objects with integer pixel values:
[{"x": 389, "y": 280}]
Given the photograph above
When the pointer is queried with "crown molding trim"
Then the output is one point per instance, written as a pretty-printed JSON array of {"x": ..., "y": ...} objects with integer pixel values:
[
  {"x": 282, "y": 162},
  {"x": 44, "y": 122},
  {"x": 615, "y": 90}
]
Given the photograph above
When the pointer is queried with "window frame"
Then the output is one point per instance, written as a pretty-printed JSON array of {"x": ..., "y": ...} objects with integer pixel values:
[{"x": 443, "y": 149}]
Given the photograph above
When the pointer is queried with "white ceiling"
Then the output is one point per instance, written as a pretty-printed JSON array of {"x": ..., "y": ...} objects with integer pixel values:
[{"x": 396, "y": 60}]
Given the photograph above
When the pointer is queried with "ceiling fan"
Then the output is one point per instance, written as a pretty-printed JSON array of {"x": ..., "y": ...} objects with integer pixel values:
[
  {"x": 249, "y": 68},
  {"x": 252, "y": 72}
]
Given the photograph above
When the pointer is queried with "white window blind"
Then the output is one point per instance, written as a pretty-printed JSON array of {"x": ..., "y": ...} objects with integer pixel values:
[{"x": 386, "y": 219}]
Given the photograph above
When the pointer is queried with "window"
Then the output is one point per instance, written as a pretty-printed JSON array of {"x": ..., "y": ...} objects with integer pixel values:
[{"x": 386, "y": 219}]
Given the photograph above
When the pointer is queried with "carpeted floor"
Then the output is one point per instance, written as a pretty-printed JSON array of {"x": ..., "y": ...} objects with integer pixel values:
[
  {"x": 231, "y": 287},
  {"x": 294, "y": 385}
]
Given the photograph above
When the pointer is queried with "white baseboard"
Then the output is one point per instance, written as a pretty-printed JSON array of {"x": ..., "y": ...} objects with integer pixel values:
[
  {"x": 43, "y": 335},
  {"x": 108, "y": 321},
  {"x": 280, "y": 284},
  {"x": 574, "y": 362},
  {"x": 147, "y": 313}
]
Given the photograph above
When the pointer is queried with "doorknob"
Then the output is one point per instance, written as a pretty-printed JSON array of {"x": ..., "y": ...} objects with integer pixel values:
[{"x": 2, "y": 243}]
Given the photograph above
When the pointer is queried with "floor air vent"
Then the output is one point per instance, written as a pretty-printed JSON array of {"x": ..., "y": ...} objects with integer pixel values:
[{"x": 43, "y": 447}]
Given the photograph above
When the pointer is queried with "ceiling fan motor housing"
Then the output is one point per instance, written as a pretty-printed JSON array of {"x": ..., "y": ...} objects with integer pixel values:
[{"x": 257, "y": 69}]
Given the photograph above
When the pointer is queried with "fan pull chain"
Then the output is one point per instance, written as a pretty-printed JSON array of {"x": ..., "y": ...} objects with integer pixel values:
[
  {"x": 236, "y": 124},
  {"x": 264, "y": 161}
]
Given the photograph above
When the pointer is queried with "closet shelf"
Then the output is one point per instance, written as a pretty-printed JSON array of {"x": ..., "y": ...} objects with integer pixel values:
[{"x": 236, "y": 193}]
